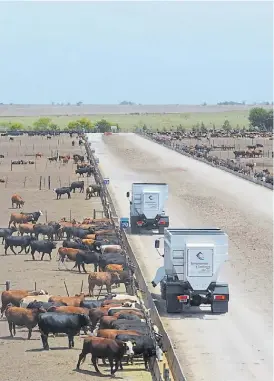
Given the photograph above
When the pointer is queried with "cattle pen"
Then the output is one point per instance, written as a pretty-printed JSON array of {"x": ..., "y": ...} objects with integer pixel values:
[{"x": 26, "y": 357}]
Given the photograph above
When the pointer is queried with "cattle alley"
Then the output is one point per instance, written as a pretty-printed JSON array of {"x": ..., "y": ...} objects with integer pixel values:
[
  {"x": 208, "y": 347},
  {"x": 20, "y": 357}
]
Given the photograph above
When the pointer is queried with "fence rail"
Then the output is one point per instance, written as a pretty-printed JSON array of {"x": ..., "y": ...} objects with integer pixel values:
[{"x": 172, "y": 360}]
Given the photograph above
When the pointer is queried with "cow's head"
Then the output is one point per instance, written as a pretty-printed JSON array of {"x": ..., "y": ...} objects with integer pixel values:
[
  {"x": 128, "y": 345},
  {"x": 159, "y": 353},
  {"x": 43, "y": 292},
  {"x": 40, "y": 213}
]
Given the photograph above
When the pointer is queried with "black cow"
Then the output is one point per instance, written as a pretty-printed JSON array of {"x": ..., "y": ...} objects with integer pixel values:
[
  {"x": 82, "y": 171},
  {"x": 86, "y": 257},
  {"x": 144, "y": 345},
  {"x": 22, "y": 241},
  {"x": 114, "y": 258},
  {"x": 45, "y": 305},
  {"x": 44, "y": 247},
  {"x": 76, "y": 232},
  {"x": 75, "y": 245},
  {"x": 55, "y": 322},
  {"x": 129, "y": 324},
  {"x": 126, "y": 316},
  {"x": 91, "y": 303},
  {"x": 77, "y": 185},
  {"x": 63, "y": 190},
  {"x": 47, "y": 230},
  {"x": 7, "y": 232}
]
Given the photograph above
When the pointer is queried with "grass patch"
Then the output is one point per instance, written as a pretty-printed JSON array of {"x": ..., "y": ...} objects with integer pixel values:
[{"x": 129, "y": 122}]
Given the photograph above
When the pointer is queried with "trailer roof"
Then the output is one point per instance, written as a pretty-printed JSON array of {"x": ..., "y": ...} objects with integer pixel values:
[
  {"x": 149, "y": 183},
  {"x": 178, "y": 231}
]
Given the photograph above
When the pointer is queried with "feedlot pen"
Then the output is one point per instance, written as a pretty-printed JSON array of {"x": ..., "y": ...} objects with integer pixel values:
[{"x": 21, "y": 358}]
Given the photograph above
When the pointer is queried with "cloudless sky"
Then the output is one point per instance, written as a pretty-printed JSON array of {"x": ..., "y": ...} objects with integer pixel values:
[{"x": 145, "y": 52}]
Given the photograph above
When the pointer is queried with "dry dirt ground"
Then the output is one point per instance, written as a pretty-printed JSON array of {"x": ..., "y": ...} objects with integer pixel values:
[
  {"x": 20, "y": 358},
  {"x": 265, "y": 162}
]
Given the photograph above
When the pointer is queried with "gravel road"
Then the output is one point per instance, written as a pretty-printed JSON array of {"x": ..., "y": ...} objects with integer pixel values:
[{"x": 238, "y": 345}]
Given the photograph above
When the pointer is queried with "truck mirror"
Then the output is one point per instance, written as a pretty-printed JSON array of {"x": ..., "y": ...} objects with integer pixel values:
[
  {"x": 157, "y": 244},
  {"x": 127, "y": 194}
]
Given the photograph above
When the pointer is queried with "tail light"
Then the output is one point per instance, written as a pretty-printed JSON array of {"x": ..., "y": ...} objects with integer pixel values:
[
  {"x": 183, "y": 298},
  {"x": 139, "y": 223},
  {"x": 162, "y": 222},
  {"x": 219, "y": 297}
]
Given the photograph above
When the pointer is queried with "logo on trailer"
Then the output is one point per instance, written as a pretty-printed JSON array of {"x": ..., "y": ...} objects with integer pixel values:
[
  {"x": 200, "y": 256},
  {"x": 150, "y": 197}
]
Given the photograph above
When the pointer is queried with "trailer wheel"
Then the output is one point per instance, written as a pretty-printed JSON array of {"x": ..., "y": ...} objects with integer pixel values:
[
  {"x": 133, "y": 227},
  {"x": 163, "y": 290}
]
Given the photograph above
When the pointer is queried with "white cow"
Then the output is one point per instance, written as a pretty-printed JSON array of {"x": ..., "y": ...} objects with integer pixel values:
[
  {"x": 105, "y": 249},
  {"x": 125, "y": 296},
  {"x": 29, "y": 299}
]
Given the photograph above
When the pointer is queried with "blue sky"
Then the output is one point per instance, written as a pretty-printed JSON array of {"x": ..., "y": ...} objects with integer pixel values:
[{"x": 145, "y": 52}]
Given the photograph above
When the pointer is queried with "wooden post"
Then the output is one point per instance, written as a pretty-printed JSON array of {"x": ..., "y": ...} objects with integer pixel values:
[
  {"x": 66, "y": 288},
  {"x": 70, "y": 215},
  {"x": 7, "y": 285},
  {"x": 40, "y": 183},
  {"x": 35, "y": 285},
  {"x": 11, "y": 165},
  {"x": 49, "y": 182},
  {"x": 46, "y": 215},
  {"x": 94, "y": 214},
  {"x": 25, "y": 179},
  {"x": 82, "y": 285}
]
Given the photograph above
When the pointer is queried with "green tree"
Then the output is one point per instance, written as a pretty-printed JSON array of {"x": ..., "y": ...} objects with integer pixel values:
[
  {"x": 42, "y": 123},
  {"x": 226, "y": 126},
  {"x": 261, "y": 118},
  {"x": 53, "y": 127},
  {"x": 103, "y": 125},
  {"x": 81, "y": 124},
  {"x": 15, "y": 126}
]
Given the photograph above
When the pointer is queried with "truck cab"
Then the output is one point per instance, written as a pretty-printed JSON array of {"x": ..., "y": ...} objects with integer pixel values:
[{"x": 147, "y": 207}]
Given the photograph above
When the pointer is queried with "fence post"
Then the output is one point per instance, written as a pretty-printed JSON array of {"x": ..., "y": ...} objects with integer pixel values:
[
  {"x": 40, "y": 183},
  {"x": 49, "y": 182},
  {"x": 94, "y": 214},
  {"x": 7, "y": 285},
  {"x": 11, "y": 165}
]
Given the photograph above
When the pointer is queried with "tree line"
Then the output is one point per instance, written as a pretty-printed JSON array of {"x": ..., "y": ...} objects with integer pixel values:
[
  {"x": 82, "y": 124},
  {"x": 259, "y": 119}
]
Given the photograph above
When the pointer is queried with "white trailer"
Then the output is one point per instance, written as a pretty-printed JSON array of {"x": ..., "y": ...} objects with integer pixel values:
[
  {"x": 147, "y": 207},
  {"x": 192, "y": 262}
]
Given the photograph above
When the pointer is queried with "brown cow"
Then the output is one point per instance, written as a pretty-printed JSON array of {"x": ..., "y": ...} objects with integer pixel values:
[
  {"x": 105, "y": 321},
  {"x": 90, "y": 236},
  {"x": 69, "y": 300},
  {"x": 108, "y": 302},
  {"x": 69, "y": 310},
  {"x": 14, "y": 297},
  {"x": 88, "y": 242},
  {"x": 113, "y": 267},
  {"x": 23, "y": 317},
  {"x": 26, "y": 228},
  {"x": 17, "y": 201},
  {"x": 112, "y": 333},
  {"x": 67, "y": 252},
  {"x": 21, "y": 218},
  {"x": 113, "y": 350},
  {"x": 95, "y": 314},
  {"x": 102, "y": 279},
  {"x": 140, "y": 314}
]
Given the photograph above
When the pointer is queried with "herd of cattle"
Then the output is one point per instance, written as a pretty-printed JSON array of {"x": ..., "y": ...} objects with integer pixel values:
[
  {"x": 203, "y": 151},
  {"x": 115, "y": 327}
]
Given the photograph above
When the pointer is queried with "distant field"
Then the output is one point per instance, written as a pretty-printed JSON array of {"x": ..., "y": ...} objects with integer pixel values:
[
  {"x": 129, "y": 122},
  {"x": 129, "y": 117}
]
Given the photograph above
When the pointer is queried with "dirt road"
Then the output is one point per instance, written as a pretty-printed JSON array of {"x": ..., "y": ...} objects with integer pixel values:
[{"x": 237, "y": 346}]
